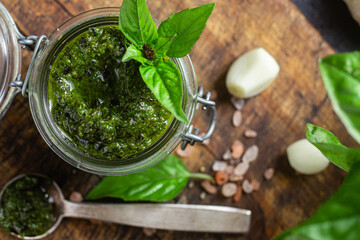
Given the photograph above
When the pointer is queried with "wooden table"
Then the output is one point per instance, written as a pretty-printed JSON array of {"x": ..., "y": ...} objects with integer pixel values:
[{"x": 279, "y": 114}]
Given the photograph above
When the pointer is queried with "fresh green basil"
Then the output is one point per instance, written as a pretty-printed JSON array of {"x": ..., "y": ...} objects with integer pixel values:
[
  {"x": 163, "y": 44},
  {"x": 338, "y": 218},
  {"x": 341, "y": 76},
  {"x": 136, "y": 23},
  {"x": 331, "y": 147},
  {"x": 188, "y": 26},
  {"x": 134, "y": 53},
  {"x": 161, "y": 182},
  {"x": 164, "y": 80},
  {"x": 177, "y": 35}
]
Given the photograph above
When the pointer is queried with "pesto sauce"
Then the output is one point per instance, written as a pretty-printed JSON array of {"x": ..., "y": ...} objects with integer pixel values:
[
  {"x": 26, "y": 208},
  {"x": 100, "y": 102}
]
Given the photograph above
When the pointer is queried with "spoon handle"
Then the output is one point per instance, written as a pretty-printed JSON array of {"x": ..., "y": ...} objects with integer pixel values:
[{"x": 181, "y": 217}]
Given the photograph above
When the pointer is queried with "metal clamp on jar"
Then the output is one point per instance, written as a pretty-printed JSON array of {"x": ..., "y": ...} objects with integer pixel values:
[{"x": 35, "y": 84}]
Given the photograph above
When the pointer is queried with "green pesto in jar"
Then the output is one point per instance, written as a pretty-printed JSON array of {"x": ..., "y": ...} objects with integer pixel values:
[
  {"x": 26, "y": 209},
  {"x": 101, "y": 103}
]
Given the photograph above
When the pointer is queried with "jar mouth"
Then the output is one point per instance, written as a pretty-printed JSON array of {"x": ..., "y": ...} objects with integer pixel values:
[
  {"x": 57, "y": 139},
  {"x": 10, "y": 54}
]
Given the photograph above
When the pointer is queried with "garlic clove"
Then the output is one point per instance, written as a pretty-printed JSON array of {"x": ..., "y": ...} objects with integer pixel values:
[
  {"x": 306, "y": 158},
  {"x": 251, "y": 73},
  {"x": 354, "y": 8}
]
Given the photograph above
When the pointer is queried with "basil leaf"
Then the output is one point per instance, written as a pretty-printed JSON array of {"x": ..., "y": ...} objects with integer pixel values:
[
  {"x": 338, "y": 218},
  {"x": 331, "y": 147},
  {"x": 319, "y": 135},
  {"x": 136, "y": 23},
  {"x": 161, "y": 182},
  {"x": 341, "y": 76},
  {"x": 188, "y": 26},
  {"x": 162, "y": 45},
  {"x": 133, "y": 53},
  {"x": 164, "y": 80}
]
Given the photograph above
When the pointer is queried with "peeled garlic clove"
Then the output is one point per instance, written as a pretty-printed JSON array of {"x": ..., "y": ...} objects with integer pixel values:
[
  {"x": 305, "y": 157},
  {"x": 251, "y": 73},
  {"x": 354, "y": 8}
]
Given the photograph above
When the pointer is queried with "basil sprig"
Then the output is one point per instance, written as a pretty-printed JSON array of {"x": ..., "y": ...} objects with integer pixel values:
[
  {"x": 152, "y": 48},
  {"x": 161, "y": 182},
  {"x": 339, "y": 216}
]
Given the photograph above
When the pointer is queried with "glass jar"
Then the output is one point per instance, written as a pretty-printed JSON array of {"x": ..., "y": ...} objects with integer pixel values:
[
  {"x": 35, "y": 86},
  {"x": 10, "y": 55}
]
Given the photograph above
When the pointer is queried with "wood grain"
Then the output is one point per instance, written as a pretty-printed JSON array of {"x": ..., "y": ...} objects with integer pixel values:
[{"x": 279, "y": 114}]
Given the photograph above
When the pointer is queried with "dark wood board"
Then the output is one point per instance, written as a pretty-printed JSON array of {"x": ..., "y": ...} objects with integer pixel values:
[
  {"x": 333, "y": 20},
  {"x": 279, "y": 114}
]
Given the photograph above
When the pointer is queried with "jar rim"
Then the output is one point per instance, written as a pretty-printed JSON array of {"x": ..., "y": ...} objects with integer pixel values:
[
  {"x": 10, "y": 56},
  {"x": 58, "y": 143}
]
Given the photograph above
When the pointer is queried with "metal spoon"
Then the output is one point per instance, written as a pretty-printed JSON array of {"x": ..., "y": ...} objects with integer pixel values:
[{"x": 180, "y": 217}]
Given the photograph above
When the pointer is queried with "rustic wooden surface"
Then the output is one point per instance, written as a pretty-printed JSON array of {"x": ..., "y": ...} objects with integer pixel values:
[{"x": 279, "y": 114}]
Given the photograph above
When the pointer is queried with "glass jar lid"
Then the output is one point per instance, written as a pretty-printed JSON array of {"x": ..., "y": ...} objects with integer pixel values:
[{"x": 10, "y": 58}]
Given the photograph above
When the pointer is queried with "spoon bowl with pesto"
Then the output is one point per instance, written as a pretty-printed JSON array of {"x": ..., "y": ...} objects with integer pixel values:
[
  {"x": 29, "y": 206},
  {"x": 32, "y": 206}
]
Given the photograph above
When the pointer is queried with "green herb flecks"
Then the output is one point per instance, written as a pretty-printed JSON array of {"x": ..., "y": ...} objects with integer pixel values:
[
  {"x": 26, "y": 209},
  {"x": 174, "y": 38},
  {"x": 162, "y": 182},
  {"x": 102, "y": 103}
]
